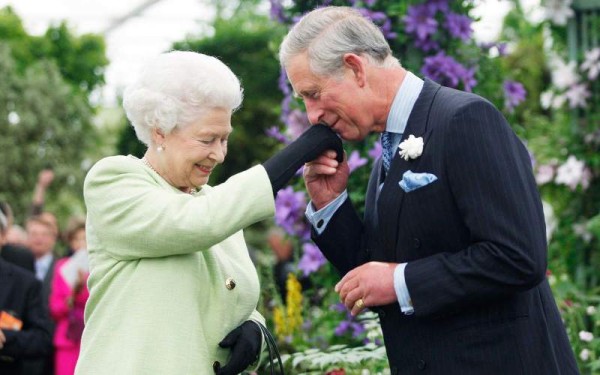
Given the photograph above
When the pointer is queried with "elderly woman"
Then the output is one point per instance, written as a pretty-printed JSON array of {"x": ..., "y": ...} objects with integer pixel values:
[{"x": 172, "y": 286}]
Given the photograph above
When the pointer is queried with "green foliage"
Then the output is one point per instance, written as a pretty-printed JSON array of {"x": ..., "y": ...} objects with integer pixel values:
[
  {"x": 43, "y": 125},
  {"x": 45, "y": 112},
  {"x": 81, "y": 59}
]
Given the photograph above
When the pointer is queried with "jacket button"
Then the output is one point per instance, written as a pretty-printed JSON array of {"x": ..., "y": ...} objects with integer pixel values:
[
  {"x": 421, "y": 365},
  {"x": 230, "y": 283},
  {"x": 216, "y": 366},
  {"x": 381, "y": 314},
  {"x": 417, "y": 243}
]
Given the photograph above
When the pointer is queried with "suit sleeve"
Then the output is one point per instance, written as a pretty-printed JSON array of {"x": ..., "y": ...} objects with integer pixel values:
[
  {"x": 34, "y": 339},
  {"x": 343, "y": 240},
  {"x": 134, "y": 218},
  {"x": 490, "y": 176}
]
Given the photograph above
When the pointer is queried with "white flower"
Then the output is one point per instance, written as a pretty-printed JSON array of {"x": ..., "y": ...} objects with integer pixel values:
[
  {"x": 580, "y": 229},
  {"x": 592, "y": 63},
  {"x": 577, "y": 95},
  {"x": 546, "y": 99},
  {"x": 558, "y": 101},
  {"x": 584, "y": 355},
  {"x": 558, "y": 11},
  {"x": 563, "y": 75},
  {"x": 411, "y": 148},
  {"x": 550, "y": 219},
  {"x": 14, "y": 118},
  {"x": 591, "y": 310},
  {"x": 571, "y": 173},
  {"x": 545, "y": 174},
  {"x": 586, "y": 336}
]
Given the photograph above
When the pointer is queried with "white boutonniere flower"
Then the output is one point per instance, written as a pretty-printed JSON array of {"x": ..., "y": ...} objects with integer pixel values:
[{"x": 411, "y": 148}]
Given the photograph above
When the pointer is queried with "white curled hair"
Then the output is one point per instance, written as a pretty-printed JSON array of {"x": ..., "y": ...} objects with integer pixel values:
[
  {"x": 326, "y": 34},
  {"x": 175, "y": 89}
]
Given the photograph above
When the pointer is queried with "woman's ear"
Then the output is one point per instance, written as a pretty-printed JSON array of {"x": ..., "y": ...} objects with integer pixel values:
[
  {"x": 158, "y": 137},
  {"x": 356, "y": 65}
]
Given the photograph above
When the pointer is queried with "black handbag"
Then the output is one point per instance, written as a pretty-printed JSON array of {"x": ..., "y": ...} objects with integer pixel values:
[{"x": 274, "y": 357}]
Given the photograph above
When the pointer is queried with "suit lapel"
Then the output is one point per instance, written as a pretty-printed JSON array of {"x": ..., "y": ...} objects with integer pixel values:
[{"x": 391, "y": 196}]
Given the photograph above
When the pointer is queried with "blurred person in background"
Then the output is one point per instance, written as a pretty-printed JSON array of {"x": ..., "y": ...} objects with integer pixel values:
[
  {"x": 14, "y": 251},
  {"x": 16, "y": 235},
  {"x": 45, "y": 178},
  {"x": 68, "y": 297},
  {"x": 42, "y": 233},
  {"x": 24, "y": 323},
  {"x": 172, "y": 286}
]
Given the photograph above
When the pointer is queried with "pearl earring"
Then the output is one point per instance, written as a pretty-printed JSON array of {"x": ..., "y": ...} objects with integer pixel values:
[{"x": 159, "y": 148}]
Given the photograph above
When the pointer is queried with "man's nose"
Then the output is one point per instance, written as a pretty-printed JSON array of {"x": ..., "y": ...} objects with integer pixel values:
[{"x": 314, "y": 113}]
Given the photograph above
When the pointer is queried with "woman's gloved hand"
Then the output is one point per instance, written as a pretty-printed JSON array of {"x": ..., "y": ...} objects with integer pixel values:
[
  {"x": 317, "y": 139},
  {"x": 244, "y": 343}
]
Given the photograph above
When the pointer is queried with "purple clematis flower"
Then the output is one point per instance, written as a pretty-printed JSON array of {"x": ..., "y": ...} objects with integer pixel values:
[
  {"x": 514, "y": 94},
  {"x": 420, "y": 21},
  {"x": 355, "y": 161},
  {"x": 426, "y": 45},
  {"x": 350, "y": 324},
  {"x": 275, "y": 133},
  {"x": 375, "y": 152},
  {"x": 276, "y": 11},
  {"x": 297, "y": 123},
  {"x": 448, "y": 72},
  {"x": 312, "y": 259},
  {"x": 289, "y": 212},
  {"x": 435, "y": 5},
  {"x": 380, "y": 19},
  {"x": 459, "y": 26}
]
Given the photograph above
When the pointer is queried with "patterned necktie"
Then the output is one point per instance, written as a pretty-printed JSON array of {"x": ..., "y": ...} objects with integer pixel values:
[{"x": 387, "y": 152}]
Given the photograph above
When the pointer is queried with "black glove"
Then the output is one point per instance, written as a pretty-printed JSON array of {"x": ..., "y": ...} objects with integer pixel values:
[
  {"x": 245, "y": 342},
  {"x": 282, "y": 166}
]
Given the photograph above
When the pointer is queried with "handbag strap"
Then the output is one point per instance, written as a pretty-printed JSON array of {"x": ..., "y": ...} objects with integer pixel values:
[{"x": 272, "y": 347}]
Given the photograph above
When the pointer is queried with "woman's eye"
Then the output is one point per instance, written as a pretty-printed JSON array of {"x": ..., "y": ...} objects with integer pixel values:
[{"x": 207, "y": 141}]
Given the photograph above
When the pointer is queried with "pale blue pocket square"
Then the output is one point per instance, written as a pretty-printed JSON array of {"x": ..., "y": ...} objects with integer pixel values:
[{"x": 412, "y": 181}]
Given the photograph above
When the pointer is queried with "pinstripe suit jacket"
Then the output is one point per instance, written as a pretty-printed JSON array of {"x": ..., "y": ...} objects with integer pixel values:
[{"x": 475, "y": 245}]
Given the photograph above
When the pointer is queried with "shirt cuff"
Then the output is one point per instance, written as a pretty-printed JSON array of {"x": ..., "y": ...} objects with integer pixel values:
[
  {"x": 402, "y": 290},
  {"x": 320, "y": 219}
]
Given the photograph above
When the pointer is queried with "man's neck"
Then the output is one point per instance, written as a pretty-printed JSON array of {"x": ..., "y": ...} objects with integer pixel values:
[{"x": 387, "y": 85}]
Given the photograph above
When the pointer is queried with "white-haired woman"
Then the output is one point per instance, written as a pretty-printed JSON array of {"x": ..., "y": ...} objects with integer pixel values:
[{"x": 172, "y": 287}]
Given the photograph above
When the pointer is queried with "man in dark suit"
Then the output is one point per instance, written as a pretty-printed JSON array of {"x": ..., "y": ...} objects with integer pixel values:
[
  {"x": 451, "y": 251},
  {"x": 10, "y": 252},
  {"x": 42, "y": 234},
  {"x": 24, "y": 323}
]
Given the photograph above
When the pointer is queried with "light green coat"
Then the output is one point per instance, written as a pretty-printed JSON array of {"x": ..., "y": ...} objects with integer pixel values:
[{"x": 159, "y": 259}]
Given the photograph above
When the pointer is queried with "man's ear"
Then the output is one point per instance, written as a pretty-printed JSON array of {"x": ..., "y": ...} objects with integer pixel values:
[{"x": 356, "y": 65}]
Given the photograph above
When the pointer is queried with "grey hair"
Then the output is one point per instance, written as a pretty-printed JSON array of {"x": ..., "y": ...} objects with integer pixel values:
[
  {"x": 328, "y": 33},
  {"x": 175, "y": 89}
]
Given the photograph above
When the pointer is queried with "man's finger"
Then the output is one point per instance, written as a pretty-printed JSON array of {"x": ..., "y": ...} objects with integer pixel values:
[
  {"x": 354, "y": 295},
  {"x": 348, "y": 276}
]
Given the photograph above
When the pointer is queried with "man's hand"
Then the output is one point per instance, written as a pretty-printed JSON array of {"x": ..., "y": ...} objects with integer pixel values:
[
  {"x": 325, "y": 178},
  {"x": 2, "y": 339},
  {"x": 372, "y": 282}
]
